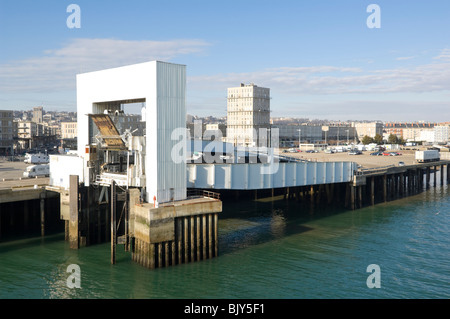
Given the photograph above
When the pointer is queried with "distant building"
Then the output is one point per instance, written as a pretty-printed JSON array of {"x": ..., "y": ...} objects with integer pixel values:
[
  {"x": 339, "y": 134},
  {"x": 248, "y": 111},
  {"x": 441, "y": 134},
  {"x": 6, "y": 132},
  {"x": 370, "y": 129},
  {"x": 69, "y": 130},
  {"x": 291, "y": 134},
  {"x": 427, "y": 136},
  {"x": 216, "y": 131},
  {"x": 38, "y": 113},
  {"x": 407, "y": 131}
]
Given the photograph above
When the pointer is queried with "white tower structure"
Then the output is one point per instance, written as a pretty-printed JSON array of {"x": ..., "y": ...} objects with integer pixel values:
[{"x": 162, "y": 87}]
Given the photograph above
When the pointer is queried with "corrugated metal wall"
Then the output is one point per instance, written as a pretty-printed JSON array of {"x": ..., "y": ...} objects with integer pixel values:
[
  {"x": 171, "y": 114},
  {"x": 249, "y": 176}
]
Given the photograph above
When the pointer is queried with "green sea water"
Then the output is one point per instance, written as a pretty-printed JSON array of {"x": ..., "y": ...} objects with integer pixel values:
[{"x": 267, "y": 249}]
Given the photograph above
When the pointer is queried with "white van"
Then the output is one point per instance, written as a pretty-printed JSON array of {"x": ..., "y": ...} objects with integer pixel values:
[{"x": 36, "y": 170}]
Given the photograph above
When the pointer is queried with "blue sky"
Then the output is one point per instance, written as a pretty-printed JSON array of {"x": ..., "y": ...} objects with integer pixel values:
[{"x": 319, "y": 58}]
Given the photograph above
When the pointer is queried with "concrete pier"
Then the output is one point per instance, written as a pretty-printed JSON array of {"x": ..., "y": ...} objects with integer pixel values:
[
  {"x": 27, "y": 208},
  {"x": 175, "y": 233}
]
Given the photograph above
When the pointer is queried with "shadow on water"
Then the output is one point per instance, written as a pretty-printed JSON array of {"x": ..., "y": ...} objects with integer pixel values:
[
  {"x": 21, "y": 242},
  {"x": 249, "y": 222}
]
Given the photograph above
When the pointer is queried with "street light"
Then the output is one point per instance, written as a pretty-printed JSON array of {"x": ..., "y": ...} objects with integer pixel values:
[
  {"x": 299, "y": 139},
  {"x": 347, "y": 136}
]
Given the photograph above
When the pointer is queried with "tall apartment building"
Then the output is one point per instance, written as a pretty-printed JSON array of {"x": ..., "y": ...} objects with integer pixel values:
[
  {"x": 6, "y": 132},
  {"x": 38, "y": 113},
  {"x": 248, "y": 110}
]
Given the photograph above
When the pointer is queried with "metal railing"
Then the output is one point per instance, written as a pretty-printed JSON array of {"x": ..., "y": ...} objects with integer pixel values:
[
  {"x": 365, "y": 171},
  {"x": 192, "y": 193}
]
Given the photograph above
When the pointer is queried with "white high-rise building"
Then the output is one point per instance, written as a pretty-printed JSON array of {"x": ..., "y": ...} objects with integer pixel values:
[
  {"x": 248, "y": 111},
  {"x": 441, "y": 133}
]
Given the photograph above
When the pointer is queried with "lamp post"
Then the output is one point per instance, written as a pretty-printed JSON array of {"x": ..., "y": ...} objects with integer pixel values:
[
  {"x": 299, "y": 137},
  {"x": 347, "y": 136}
]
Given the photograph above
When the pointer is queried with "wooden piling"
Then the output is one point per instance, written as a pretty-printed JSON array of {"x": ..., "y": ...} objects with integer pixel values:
[
  {"x": 74, "y": 215},
  {"x": 198, "y": 232},
  {"x": 372, "y": 190},
  {"x": 216, "y": 234},
  {"x": 113, "y": 222},
  {"x": 42, "y": 215},
  {"x": 209, "y": 236}
]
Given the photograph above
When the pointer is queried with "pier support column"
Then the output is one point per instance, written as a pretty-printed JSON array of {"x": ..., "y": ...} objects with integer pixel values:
[
  {"x": 216, "y": 234},
  {"x": 401, "y": 184},
  {"x": 360, "y": 191},
  {"x": 441, "y": 172},
  {"x": 428, "y": 177},
  {"x": 352, "y": 197},
  {"x": 74, "y": 214},
  {"x": 42, "y": 215},
  {"x": 434, "y": 175},
  {"x": 372, "y": 190},
  {"x": 448, "y": 174},
  {"x": 385, "y": 187},
  {"x": 113, "y": 222}
]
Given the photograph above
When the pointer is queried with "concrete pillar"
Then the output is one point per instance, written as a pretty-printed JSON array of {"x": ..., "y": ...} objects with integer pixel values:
[
  {"x": 385, "y": 187},
  {"x": 441, "y": 171},
  {"x": 428, "y": 176}
]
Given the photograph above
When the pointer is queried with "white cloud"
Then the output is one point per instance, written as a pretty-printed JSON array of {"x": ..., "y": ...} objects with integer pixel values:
[
  {"x": 56, "y": 69},
  {"x": 335, "y": 80},
  {"x": 402, "y": 58},
  {"x": 444, "y": 55}
]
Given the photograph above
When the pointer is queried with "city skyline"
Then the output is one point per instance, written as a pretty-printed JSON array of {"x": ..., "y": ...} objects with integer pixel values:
[{"x": 319, "y": 59}]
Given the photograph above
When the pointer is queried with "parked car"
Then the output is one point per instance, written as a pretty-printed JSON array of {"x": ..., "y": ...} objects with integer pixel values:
[
  {"x": 355, "y": 152},
  {"x": 376, "y": 153},
  {"x": 401, "y": 163}
]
